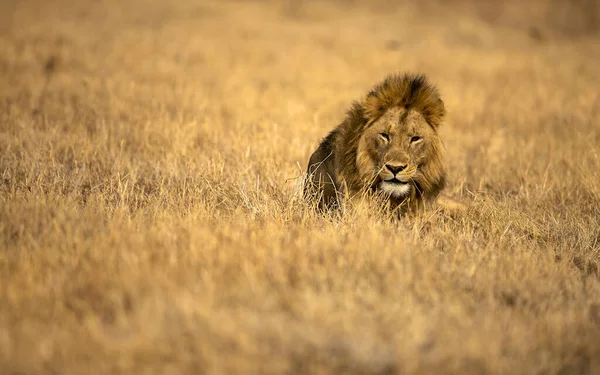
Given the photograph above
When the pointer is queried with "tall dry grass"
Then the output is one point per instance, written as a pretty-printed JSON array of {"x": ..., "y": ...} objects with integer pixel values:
[{"x": 150, "y": 218}]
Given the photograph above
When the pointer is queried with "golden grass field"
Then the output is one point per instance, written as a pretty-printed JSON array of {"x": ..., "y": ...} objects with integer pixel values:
[{"x": 151, "y": 221}]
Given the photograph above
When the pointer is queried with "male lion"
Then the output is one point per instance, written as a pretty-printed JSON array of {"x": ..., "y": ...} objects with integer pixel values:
[{"x": 388, "y": 144}]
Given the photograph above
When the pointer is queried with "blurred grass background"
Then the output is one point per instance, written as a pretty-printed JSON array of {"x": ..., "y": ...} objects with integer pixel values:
[{"x": 151, "y": 154}]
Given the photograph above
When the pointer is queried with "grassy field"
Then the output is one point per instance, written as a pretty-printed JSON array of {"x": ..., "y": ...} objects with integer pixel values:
[{"x": 151, "y": 154}]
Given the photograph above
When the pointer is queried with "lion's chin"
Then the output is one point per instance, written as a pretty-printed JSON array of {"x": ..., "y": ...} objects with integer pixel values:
[{"x": 395, "y": 188}]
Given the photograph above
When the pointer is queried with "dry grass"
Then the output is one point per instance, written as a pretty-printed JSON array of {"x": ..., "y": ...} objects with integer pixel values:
[{"x": 150, "y": 222}]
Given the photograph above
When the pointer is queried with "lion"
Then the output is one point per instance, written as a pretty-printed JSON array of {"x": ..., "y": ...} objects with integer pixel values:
[{"x": 387, "y": 145}]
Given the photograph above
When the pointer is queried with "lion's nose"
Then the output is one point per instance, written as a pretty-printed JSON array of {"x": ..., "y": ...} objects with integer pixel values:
[{"x": 395, "y": 168}]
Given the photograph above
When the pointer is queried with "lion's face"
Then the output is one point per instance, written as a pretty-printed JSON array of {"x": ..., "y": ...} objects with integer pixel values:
[{"x": 399, "y": 154}]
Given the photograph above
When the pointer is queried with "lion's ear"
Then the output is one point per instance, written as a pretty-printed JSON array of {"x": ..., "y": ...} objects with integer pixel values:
[
  {"x": 442, "y": 106},
  {"x": 373, "y": 106},
  {"x": 435, "y": 113}
]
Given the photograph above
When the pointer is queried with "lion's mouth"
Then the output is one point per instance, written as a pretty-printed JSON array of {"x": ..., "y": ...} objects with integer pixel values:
[
  {"x": 395, "y": 181},
  {"x": 394, "y": 187}
]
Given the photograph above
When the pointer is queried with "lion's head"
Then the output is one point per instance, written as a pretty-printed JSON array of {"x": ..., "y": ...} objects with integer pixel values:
[
  {"x": 399, "y": 154},
  {"x": 394, "y": 142}
]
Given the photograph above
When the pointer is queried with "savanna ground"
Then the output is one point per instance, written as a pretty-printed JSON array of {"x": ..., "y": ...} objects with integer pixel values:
[{"x": 150, "y": 218}]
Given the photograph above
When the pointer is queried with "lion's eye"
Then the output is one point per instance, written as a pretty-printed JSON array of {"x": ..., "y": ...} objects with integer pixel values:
[
  {"x": 414, "y": 139},
  {"x": 385, "y": 136}
]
